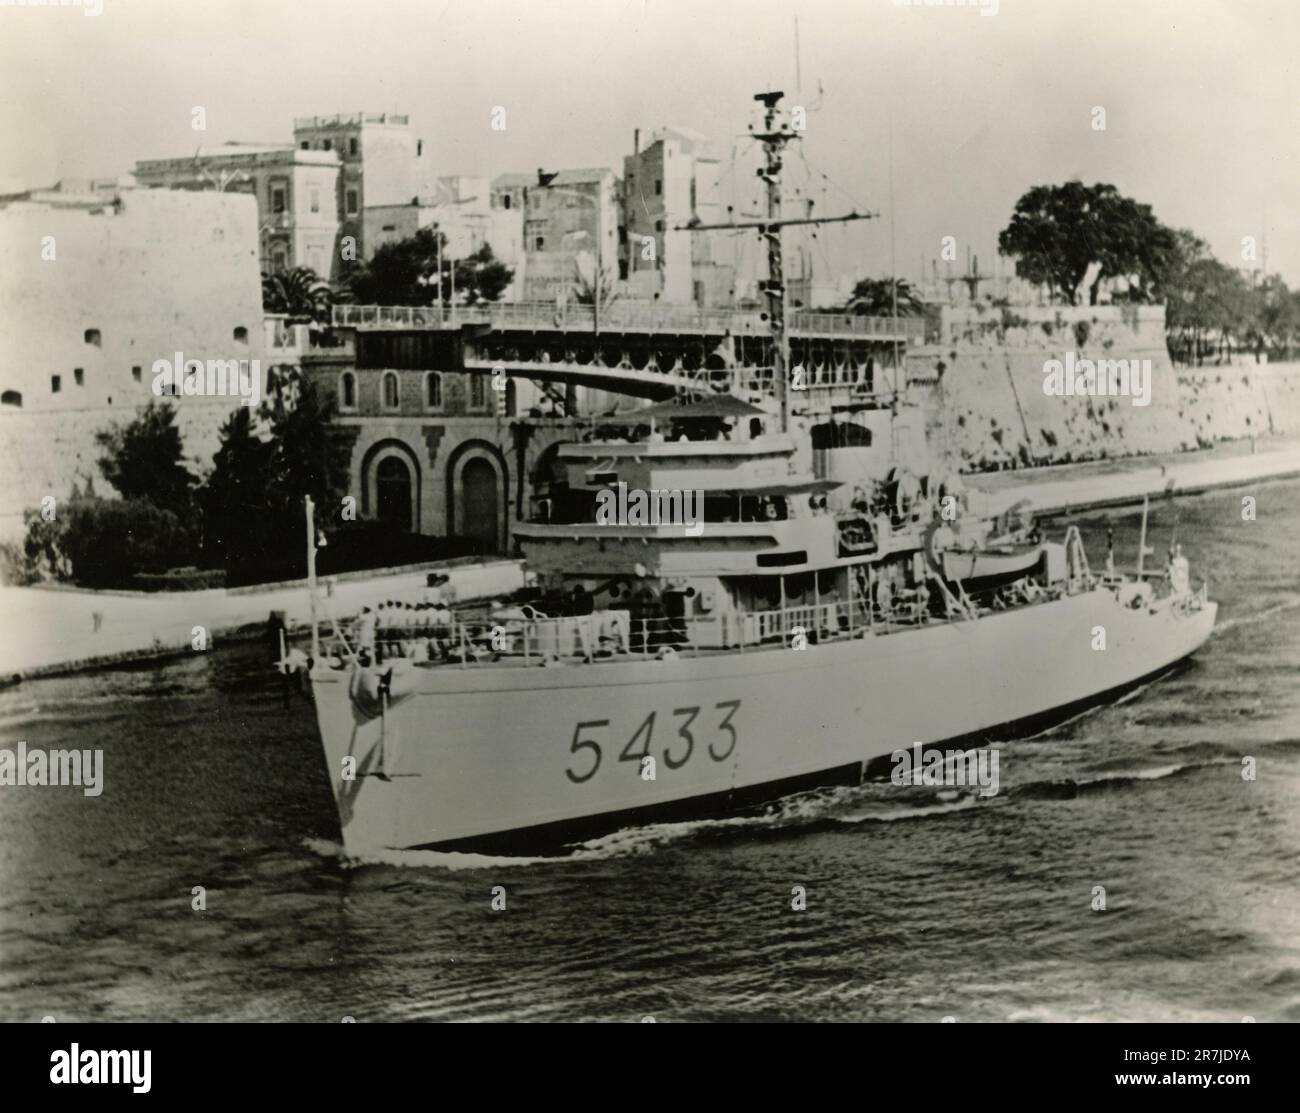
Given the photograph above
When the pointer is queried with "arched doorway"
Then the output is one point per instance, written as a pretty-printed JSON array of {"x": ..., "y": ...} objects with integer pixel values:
[
  {"x": 393, "y": 493},
  {"x": 479, "y": 484}
]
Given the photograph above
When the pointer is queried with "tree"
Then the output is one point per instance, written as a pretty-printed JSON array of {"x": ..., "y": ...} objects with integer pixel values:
[
  {"x": 107, "y": 541},
  {"x": 1060, "y": 235},
  {"x": 482, "y": 276},
  {"x": 1209, "y": 306},
  {"x": 299, "y": 294},
  {"x": 587, "y": 281},
  {"x": 409, "y": 272},
  {"x": 1278, "y": 315},
  {"x": 306, "y": 457},
  {"x": 236, "y": 509},
  {"x": 875, "y": 297},
  {"x": 144, "y": 460}
]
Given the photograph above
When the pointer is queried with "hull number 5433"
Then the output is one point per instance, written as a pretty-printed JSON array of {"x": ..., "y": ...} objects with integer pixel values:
[{"x": 679, "y": 750}]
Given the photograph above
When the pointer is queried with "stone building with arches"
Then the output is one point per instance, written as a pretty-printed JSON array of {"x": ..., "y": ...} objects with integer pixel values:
[{"x": 443, "y": 453}]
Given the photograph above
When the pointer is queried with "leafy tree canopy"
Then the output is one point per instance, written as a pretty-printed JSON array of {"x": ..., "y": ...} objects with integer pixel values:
[
  {"x": 408, "y": 272},
  {"x": 300, "y": 294},
  {"x": 875, "y": 297},
  {"x": 144, "y": 460},
  {"x": 1060, "y": 235}
]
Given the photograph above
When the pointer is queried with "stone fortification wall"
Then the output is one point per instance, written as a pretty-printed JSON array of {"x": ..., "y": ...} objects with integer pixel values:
[
  {"x": 981, "y": 379},
  {"x": 46, "y": 453}
]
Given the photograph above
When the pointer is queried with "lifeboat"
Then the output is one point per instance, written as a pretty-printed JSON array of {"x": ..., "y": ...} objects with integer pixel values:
[{"x": 1007, "y": 562}]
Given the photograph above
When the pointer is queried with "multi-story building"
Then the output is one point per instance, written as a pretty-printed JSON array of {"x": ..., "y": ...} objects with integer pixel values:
[
  {"x": 295, "y": 190},
  {"x": 383, "y": 165},
  {"x": 571, "y": 231},
  {"x": 665, "y": 184},
  {"x": 98, "y": 288}
]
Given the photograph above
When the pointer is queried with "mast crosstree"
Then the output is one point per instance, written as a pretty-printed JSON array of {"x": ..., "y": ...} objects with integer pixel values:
[{"x": 776, "y": 134}]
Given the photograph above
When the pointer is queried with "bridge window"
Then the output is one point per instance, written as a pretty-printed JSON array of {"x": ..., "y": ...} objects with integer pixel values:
[
  {"x": 241, "y": 334},
  {"x": 391, "y": 391},
  {"x": 347, "y": 391},
  {"x": 433, "y": 391},
  {"x": 92, "y": 336},
  {"x": 137, "y": 373},
  {"x": 11, "y": 398},
  {"x": 56, "y": 384},
  {"x": 79, "y": 375}
]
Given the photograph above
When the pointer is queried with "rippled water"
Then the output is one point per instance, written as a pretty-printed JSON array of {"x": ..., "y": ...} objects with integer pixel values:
[{"x": 921, "y": 902}]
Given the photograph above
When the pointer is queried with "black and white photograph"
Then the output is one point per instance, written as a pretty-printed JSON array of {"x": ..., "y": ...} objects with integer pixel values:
[{"x": 647, "y": 511}]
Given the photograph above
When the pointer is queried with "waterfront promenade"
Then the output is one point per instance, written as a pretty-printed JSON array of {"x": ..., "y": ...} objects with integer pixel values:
[
  {"x": 1116, "y": 482},
  {"x": 55, "y": 629}
]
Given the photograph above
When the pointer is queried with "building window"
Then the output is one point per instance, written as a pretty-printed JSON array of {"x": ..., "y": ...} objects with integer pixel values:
[
  {"x": 433, "y": 391},
  {"x": 352, "y": 147},
  {"x": 659, "y": 225},
  {"x": 136, "y": 373},
  {"x": 659, "y": 186},
  {"x": 56, "y": 384},
  {"x": 348, "y": 391},
  {"x": 327, "y": 145},
  {"x": 277, "y": 199},
  {"x": 314, "y": 198},
  {"x": 477, "y": 392},
  {"x": 11, "y": 398},
  {"x": 541, "y": 243},
  {"x": 352, "y": 202},
  {"x": 241, "y": 334},
  {"x": 505, "y": 201},
  {"x": 79, "y": 376},
  {"x": 391, "y": 391},
  {"x": 92, "y": 336},
  {"x": 277, "y": 260},
  {"x": 305, "y": 145},
  {"x": 419, "y": 148}
]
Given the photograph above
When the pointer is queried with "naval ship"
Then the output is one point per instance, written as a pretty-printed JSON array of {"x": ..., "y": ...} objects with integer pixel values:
[
  {"x": 803, "y": 629},
  {"x": 655, "y": 675}
]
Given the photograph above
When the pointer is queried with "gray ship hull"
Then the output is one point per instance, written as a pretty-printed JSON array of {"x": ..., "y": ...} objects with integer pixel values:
[{"x": 522, "y": 759}]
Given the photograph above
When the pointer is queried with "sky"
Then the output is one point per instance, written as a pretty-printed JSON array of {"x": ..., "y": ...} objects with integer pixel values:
[{"x": 968, "y": 109}]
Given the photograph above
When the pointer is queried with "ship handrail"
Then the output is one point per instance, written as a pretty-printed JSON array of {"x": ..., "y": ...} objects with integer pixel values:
[{"x": 614, "y": 632}]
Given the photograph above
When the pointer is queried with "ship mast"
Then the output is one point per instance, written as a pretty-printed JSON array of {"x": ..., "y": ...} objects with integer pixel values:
[{"x": 774, "y": 137}]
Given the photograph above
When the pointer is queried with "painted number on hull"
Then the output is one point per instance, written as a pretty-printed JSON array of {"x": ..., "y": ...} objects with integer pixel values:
[{"x": 676, "y": 754}]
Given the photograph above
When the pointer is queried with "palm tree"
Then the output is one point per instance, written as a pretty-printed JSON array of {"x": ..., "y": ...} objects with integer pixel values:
[
  {"x": 874, "y": 297},
  {"x": 300, "y": 294},
  {"x": 585, "y": 285}
]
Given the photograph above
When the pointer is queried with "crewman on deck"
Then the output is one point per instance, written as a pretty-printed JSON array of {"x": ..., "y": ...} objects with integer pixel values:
[
  {"x": 1180, "y": 574},
  {"x": 366, "y": 631}
]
